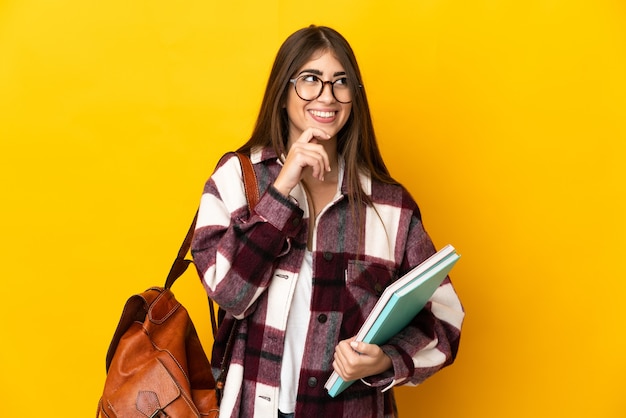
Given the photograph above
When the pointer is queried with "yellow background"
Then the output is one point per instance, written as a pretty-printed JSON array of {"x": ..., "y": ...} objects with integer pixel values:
[{"x": 506, "y": 120}]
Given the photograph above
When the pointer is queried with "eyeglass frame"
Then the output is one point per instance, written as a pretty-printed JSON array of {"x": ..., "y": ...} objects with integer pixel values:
[{"x": 332, "y": 87}]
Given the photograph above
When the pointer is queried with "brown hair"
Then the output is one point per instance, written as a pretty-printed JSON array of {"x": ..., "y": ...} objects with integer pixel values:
[{"x": 356, "y": 141}]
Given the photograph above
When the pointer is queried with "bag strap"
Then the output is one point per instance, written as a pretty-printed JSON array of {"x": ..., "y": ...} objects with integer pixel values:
[
  {"x": 249, "y": 180},
  {"x": 180, "y": 264}
]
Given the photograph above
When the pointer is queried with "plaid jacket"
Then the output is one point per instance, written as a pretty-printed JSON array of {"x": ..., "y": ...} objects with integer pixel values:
[{"x": 249, "y": 263}]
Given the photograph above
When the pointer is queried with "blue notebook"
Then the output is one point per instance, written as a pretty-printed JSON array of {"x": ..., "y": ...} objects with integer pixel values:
[{"x": 399, "y": 304}]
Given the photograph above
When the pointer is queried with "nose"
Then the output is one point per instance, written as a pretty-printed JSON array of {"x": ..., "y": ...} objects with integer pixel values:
[{"x": 327, "y": 93}]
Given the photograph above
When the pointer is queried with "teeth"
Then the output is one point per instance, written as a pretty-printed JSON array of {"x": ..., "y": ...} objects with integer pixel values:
[{"x": 322, "y": 114}]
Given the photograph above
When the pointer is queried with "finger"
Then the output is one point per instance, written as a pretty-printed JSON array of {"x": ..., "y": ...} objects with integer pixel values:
[
  {"x": 360, "y": 347},
  {"x": 310, "y": 136},
  {"x": 349, "y": 364},
  {"x": 338, "y": 367},
  {"x": 370, "y": 354},
  {"x": 348, "y": 356},
  {"x": 314, "y": 157},
  {"x": 342, "y": 367},
  {"x": 311, "y": 155},
  {"x": 312, "y": 133}
]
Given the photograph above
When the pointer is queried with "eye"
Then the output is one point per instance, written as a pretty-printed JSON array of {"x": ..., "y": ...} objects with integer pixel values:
[
  {"x": 310, "y": 79},
  {"x": 341, "y": 82}
]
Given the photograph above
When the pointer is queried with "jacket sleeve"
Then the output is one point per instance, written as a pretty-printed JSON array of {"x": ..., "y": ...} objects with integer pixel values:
[
  {"x": 234, "y": 250},
  {"x": 430, "y": 342}
]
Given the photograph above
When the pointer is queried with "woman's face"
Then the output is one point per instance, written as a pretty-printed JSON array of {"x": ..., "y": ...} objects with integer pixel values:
[{"x": 323, "y": 112}]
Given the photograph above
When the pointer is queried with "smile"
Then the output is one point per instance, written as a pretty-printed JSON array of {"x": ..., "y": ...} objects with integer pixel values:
[{"x": 321, "y": 114}]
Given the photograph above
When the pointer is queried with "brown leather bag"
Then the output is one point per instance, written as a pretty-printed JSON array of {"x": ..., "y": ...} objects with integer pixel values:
[{"x": 156, "y": 366}]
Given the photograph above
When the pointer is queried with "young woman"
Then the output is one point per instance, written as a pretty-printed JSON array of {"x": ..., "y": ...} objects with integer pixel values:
[{"x": 303, "y": 269}]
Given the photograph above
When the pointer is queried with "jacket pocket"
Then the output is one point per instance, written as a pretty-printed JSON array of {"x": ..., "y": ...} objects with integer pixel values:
[{"x": 365, "y": 283}]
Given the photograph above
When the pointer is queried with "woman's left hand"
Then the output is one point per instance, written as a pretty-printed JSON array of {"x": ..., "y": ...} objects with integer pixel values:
[{"x": 356, "y": 360}]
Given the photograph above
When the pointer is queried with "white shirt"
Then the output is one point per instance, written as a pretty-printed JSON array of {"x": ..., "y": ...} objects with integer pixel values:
[{"x": 295, "y": 336}]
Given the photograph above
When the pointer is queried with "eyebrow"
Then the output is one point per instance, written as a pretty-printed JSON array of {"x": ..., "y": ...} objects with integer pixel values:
[{"x": 318, "y": 72}]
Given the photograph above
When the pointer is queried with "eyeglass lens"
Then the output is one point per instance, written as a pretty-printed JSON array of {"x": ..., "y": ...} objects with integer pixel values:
[{"x": 310, "y": 87}]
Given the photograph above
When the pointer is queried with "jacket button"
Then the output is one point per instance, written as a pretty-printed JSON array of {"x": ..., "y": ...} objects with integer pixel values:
[
  {"x": 328, "y": 255},
  {"x": 295, "y": 221},
  {"x": 312, "y": 382},
  {"x": 378, "y": 288},
  {"x": 322, "y": 318}
]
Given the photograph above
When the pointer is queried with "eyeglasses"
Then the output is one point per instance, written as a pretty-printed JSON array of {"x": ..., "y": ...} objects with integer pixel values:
[{"x": 309, "y": 87}]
